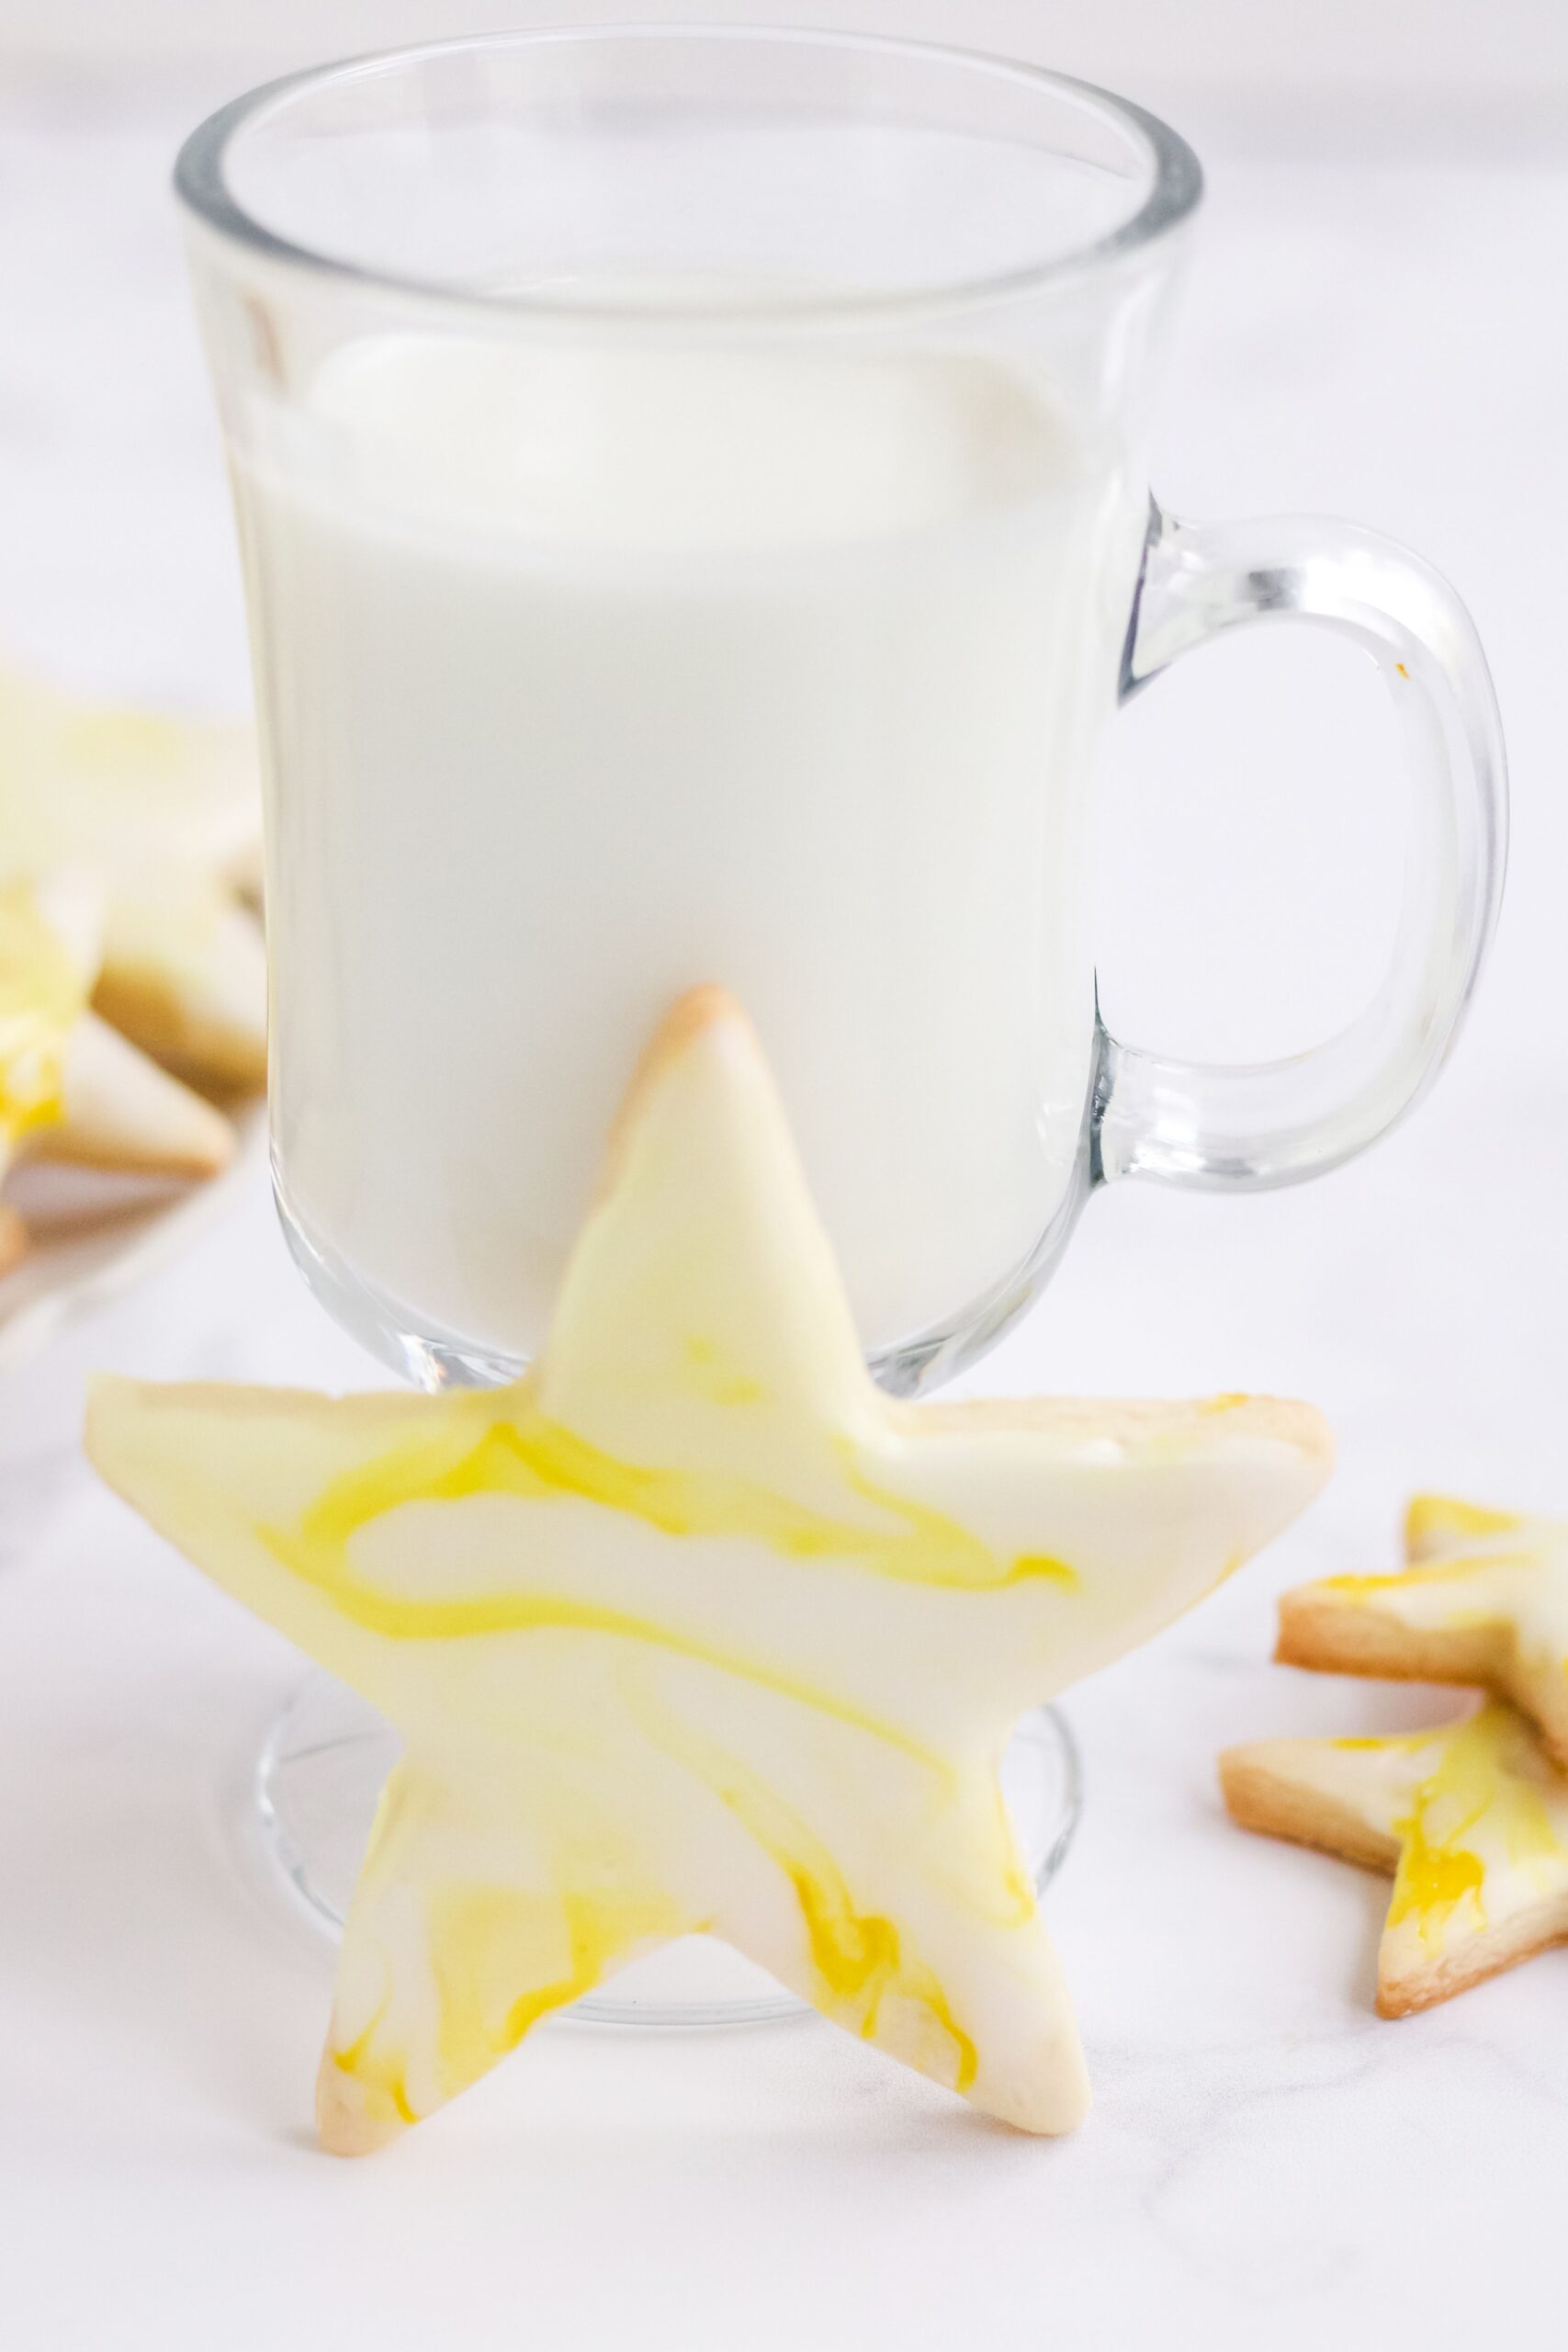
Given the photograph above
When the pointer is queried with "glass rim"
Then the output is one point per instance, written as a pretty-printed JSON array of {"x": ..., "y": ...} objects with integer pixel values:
[{"x": 1175, "y": 181}]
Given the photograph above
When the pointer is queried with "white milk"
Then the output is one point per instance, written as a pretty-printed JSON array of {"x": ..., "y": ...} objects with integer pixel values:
[{"x": 586, "y": 675}]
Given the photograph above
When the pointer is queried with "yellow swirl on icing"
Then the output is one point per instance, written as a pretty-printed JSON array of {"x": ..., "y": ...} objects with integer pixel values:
[
  {"x": 381, "y": 2075},
  {"x": 863, "y": 1958},
  {"x": 485, "y": 1938},
  {"x": 521, "y": 1452},
  {"x": 1369, "y": 1591},
  {"x": 417, "y": 1620},
  {"x": 1471, "y": 1803},
  {"x": 1432, "y": 1880},
  {"x": 319, "y": 1555},
  {"x": 1443, "y": 1518}
]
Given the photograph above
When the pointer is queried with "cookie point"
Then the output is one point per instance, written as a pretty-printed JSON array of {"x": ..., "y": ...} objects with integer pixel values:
[
  {"x": 703, "y": 1016},
  {"x": 1309, "y": 1428},
  {"x": 700, "y": 1016},
  {"x": 1058, "y": 2103},
  {"x": 341, "y": 2124}
]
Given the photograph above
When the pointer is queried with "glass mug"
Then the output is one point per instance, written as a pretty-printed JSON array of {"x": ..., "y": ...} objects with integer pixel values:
[{"x": 692, "y": 497}]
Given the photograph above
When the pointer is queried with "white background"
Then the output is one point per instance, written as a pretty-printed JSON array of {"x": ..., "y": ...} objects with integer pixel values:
[
  {"x": 1401, "y": 50},
  {"x": 1374, "y": 326}
]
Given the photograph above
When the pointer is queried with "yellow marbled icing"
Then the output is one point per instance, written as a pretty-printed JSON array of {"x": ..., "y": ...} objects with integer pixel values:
[
  {"x": 1475, "y": 1820},
  {"x": 862, "y": 1958},
  {"x": 378, "y": 2072},
  {"x": 1431, "y": 1880},
  {"x": 520, "y": 1453},
  {"x": 694, "y": 1629},
  {"x": 1437, "y": 1519},
  {"x": 486, "y": 1939},
  {"x": 1437, "y": 1870}
]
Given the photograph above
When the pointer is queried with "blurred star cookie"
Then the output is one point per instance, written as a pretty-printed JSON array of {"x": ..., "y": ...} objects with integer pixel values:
[
  {"x": 70, "y": 1088},
  {"x": 1483, "y": 1602},
  {"x": 164, "y": 811},
  {"x": 1472, "y": 1818},
  {"x": 122, "y": 1113},
  {"x": 88, "y": 784},
  {"x": 185, "y": 976}
]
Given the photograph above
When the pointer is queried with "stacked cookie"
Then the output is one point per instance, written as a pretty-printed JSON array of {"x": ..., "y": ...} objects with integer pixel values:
[
  {"x": 1472, "y": 1817},
  {"x": 132, "y": 970}
]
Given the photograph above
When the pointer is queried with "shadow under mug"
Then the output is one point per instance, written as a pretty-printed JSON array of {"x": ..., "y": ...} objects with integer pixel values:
[{"x": 696, "y": 525}]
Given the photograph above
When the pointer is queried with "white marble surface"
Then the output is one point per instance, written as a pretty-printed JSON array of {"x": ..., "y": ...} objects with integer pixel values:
[{"x": 1268, "y": 2163}]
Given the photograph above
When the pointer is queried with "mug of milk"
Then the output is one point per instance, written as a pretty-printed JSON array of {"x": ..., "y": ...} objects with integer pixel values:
[{"x": 692, "y": 499}]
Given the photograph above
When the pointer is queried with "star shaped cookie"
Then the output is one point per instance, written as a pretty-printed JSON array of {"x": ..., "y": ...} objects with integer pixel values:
[
  {"x": 1471, "y": 1819},
  {"x": 1484, "y": 1602},
  {"x": 694, "y": 1629}
]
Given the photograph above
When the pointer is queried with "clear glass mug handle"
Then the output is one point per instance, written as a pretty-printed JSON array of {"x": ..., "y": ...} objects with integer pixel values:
[{"x": 1264, "y": 1124}]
